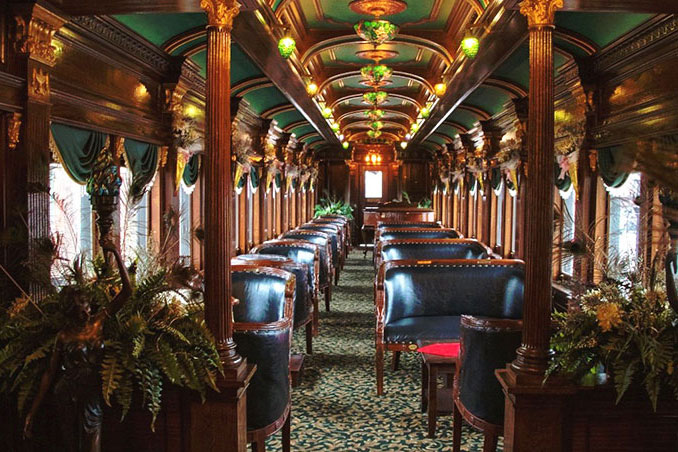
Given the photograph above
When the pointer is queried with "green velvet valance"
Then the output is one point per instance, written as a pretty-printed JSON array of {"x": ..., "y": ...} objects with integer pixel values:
[
  {"x": 495, "y": 178},
  {"x": 192, "y": 171},
  {"x": 254, "y": 178},
  {"x": 142, "y": 161},
  {"x": 78, "y": 149},
  {"x": 278, "y": 181},
  {"x": 563, "y": 184},
  {"x": 609, "y": 167}
]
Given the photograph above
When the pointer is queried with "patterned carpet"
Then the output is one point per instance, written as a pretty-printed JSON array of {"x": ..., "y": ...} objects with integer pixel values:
[{"x": 336, "y": 407}]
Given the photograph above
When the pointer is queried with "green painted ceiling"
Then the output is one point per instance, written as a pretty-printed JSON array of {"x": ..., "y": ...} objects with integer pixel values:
[
  {"x": 448, "y": 130},
  {"x": 601, "y": 28},
  {"x": 488, "y": 98},
  {"x": 463, "y": 117},
  {"x": 160, "y": 28}
]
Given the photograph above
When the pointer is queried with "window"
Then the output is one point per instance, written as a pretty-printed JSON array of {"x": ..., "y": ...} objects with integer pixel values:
[
  {"x": 500, "y": 214},
  {"x": 185, "y": 225},
  {"x": 70, "y": 219},
  {"x": 373, "y": 184},
  {"x": 133, "y": 220},
  {"x": 624, "y": 232},
  {"x": 568, "y": 212}
]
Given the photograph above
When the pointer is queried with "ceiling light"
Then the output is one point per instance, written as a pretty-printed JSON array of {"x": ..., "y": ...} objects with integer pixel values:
[
  {"x": 286, "y": 46},
  {"x": 470, "y": 44},
  {"x": 327, "y": 112},
  {"x": 440, "y": 89},
  {"x": 311, "y": 88},
  {"x": 425, "y": 112}
]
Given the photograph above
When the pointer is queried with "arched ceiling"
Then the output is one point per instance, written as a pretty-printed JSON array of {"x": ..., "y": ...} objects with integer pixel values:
[{"x": 425, "y": 51}]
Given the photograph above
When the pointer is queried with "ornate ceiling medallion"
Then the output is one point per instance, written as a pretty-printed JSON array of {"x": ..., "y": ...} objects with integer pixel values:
[
  {"x": 376, "y": 54},
  {"x": 378, "y": 8},
  {"x": 380, "y": 84},
  {"x": 376, "y": 32}
]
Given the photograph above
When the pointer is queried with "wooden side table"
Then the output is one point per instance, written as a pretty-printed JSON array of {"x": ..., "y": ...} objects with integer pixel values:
[{"x": 434, "y": 400}]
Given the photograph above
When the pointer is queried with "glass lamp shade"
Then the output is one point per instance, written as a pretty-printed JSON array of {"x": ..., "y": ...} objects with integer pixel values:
[
  {"x": 327, "y": 112},
  {"x": 376, "y": 32},
  {"x": 374, "y": 133},
  {"x": 286, "y": 46},
  {"x": 440, "y": 89},
  {"x": 344, "y": 145},
  {"x": 375, "y": 114},
  {"x": 425, "y": 112},
  {"x": 312, "y": 88},
  {"x": 335, "y": 127},
  {"x": 470, "y": 45},
  {"x": 375, "y": 97}
]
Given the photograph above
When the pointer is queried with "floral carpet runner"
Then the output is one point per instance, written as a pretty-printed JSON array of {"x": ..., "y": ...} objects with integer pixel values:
[{"x": 336, "y": 407}]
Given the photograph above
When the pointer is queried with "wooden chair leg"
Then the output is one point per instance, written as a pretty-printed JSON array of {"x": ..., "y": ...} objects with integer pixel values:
[
  {"x": 287, "y": 433},
  {"x": 259, "y": 445},
  {"x": 316, "y": 316},
  {"x": 336, "y": 276},
  {"x": 490, "y": 442},
  {"x": 328, "y": 297},
  {"x": 424, "y": 386},
  {"x": 309, "y": 338},
  {"x": 432, "y": 410},
  {"x": 456, "y": 429},
  {"x": 395, "y": 362},
  {"x": 380, "y": 369}
]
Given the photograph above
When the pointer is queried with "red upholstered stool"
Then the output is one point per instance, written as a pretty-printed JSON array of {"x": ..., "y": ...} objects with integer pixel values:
[{"x": 437, "y": 359}]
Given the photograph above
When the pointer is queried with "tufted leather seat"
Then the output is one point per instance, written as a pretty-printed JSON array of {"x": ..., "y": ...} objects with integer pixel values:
[
  {"x": 487, "y": 344},
  {"x": 345, "y": 228},
  {"x": 263, "y": 335},
  {"x": 424, "y": 300},
  {"x": 388, "y": 250},
  {"x": 303, "y": 297},
  {"x": 335, "y": 234},
  {"x": 410, "y": 233},
  {"x": 301, "y": 252},
  {"x": 323, "y": 241}
]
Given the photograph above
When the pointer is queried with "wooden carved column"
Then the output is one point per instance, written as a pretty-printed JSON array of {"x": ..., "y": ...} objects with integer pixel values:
[
  {"x": 221, "y": 423},
  {"x": 530, "y": 403},
  {"x": 27, "y": 169}
]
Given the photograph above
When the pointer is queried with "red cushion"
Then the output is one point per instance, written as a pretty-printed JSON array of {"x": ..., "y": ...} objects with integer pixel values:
[{"x": 447, "y": 349}]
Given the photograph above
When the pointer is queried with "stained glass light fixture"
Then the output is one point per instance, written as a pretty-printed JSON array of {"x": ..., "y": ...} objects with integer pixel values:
[
  {"x": 326, "y": 112},
  {"x": 376, "y": 32},
  {"x": 374, "y": 114},
  {"x": 375, "y": 97},
  {"x": 374, "y": 133},
  {"x": 286, "y": 46},
  {"x": 376, "y": 74},
  {"x": 344, "y": 145},
  {"x": 470, "y": 44},
  {"x": 440, "y": 89},
  {"x": 311, "y": 87}
]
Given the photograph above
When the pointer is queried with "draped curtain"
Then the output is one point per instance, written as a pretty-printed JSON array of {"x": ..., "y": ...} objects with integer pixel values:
[
  {"x": 254, "y": 178},
  {"x": 608, "y": 165},
  {"x": 192, "y": 171},
  {"x": 495, "y": 178},
  {"x": 563, "y": 184},
  {"x": 142, "y": 161},
  {"x": 78, "y": 149}
]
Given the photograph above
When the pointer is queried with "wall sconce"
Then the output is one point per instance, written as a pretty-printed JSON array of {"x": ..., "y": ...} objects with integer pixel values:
[
  {"x": 403, "y": 144},
  {"x": 344, "y": 145},
  {"x": 470, "y": 44},
  {"x": 327, "y": 112},
  {"x": 440, "y": 89},
  {"x": 372, "y": 159},
  {"x": 311, "y": 86},
  {"x": 287, "y": 45}
]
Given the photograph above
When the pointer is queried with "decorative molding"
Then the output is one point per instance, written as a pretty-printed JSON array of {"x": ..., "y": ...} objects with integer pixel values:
[
  {"x": 220, "y": 13},
  {"x": 33, "y": 33},
  {"x": 13, "y": 129},
  {"x": 540, "y": 13},
  {"x": 637, "y": 43},
  {"x": 39, "y": 84},
  {"x": 115, "y": 35}
]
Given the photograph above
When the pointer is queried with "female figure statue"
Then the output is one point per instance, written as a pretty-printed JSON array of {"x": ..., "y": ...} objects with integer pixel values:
[{"x": 75, "y": 362}]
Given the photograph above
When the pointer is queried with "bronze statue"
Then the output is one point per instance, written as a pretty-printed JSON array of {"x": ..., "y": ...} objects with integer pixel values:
[{"x": 76, "y": 363}]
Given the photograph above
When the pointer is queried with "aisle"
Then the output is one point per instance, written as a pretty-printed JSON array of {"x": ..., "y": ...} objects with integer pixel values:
[{"x": 336, "y": 407}]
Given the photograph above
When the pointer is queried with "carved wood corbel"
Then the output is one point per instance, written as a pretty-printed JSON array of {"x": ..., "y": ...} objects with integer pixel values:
[
  {"x": 13, "y": 130},
  {"x": 34, "y": 29}
]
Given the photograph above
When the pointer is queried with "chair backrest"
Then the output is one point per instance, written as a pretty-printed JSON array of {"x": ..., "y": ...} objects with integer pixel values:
[
  {"x": 333, "y": 231},
  {"x": 487, "y": 344},
  {"x": 263, "y": 334},
  {"x": 324, "y": 244},
  {"x": 416, "y": 233},
  {"x": 389, "y": 250},
  {"x": 408, "y": 224},
  {"x": 303, "y": 303},
  {"x": 451, "y": 287},
  {"x": 299, "y": 251}
]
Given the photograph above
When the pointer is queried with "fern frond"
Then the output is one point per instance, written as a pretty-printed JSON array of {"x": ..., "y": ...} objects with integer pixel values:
[{"x": 111, "y": 374}]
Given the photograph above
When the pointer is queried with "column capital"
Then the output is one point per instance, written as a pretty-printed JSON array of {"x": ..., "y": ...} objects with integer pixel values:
[
  {"x": 540, "y": 13},
  {"x": 34, "y": 29},
  {"x": 220, "y": 13}
]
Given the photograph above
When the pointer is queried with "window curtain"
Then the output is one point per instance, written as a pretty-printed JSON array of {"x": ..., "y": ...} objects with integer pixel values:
[
  {"x": 608, "y": 165},
  {"x": 78, "y": 149},
  {"x": 563, "y": 184},
  {"x": 192, "y": 171},
  {"x": 254, "y": 178},
  {"x": 278, "y": 181},
  {"x": 495, "y": 178},
  {"x": 142, "y": 161}
]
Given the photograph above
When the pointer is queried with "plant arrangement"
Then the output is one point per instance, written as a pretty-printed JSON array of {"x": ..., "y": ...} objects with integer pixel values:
[
  {"x": 376, "y": 31},
  {"x": 376, "y": 74},
  {"x": 330, "y": 206},
  {"x": 157, "y": 336},
  {"x": 627, "y": 327},
  {"x": 375, "y": 97}
]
